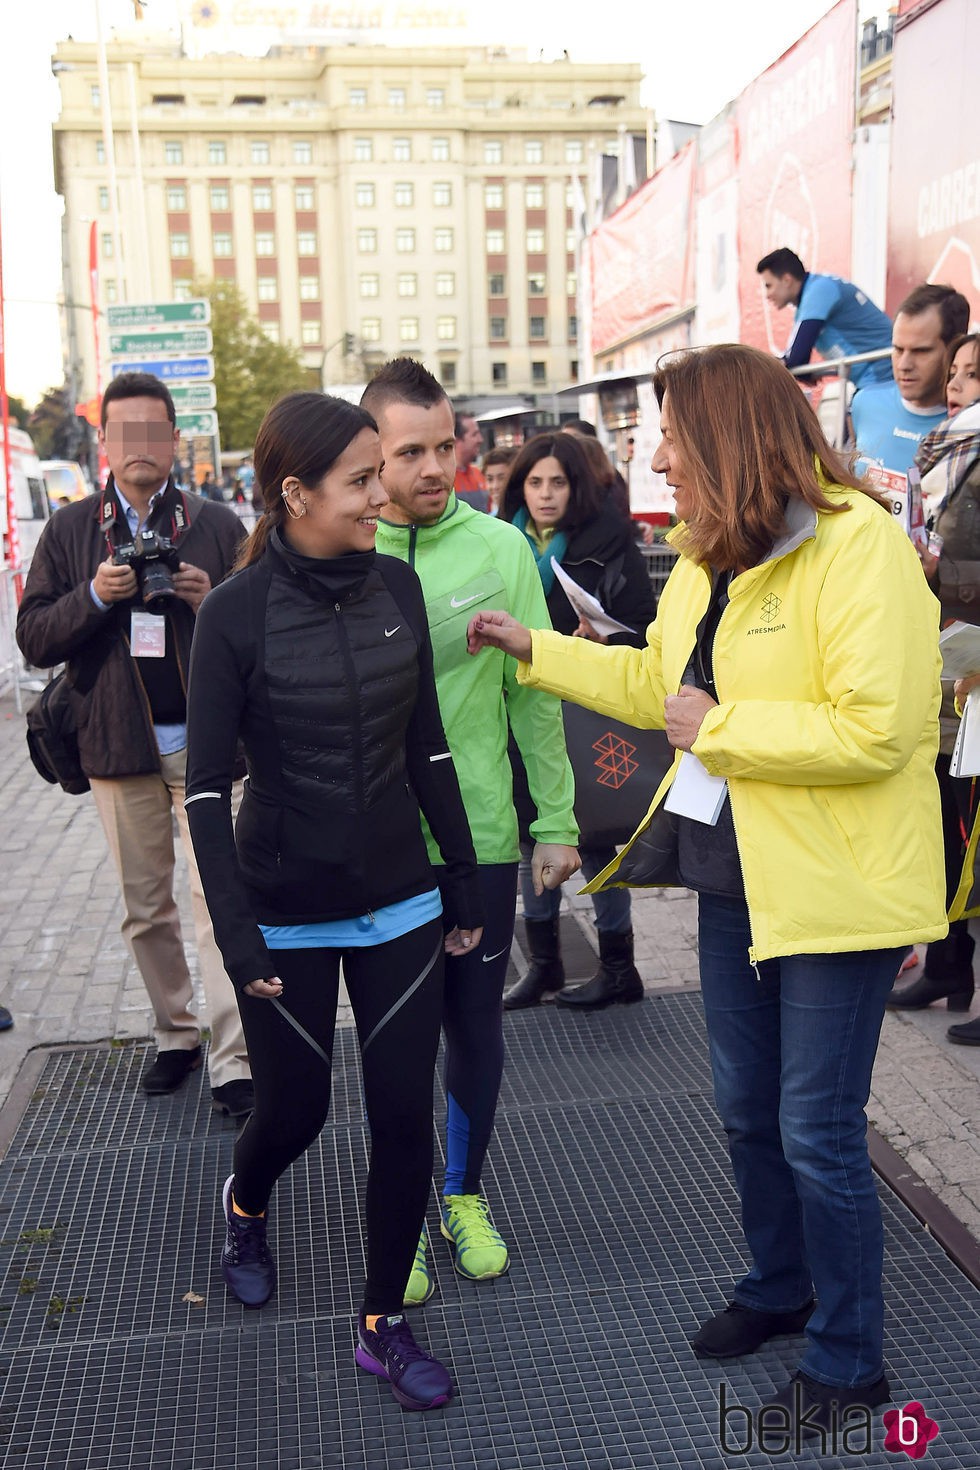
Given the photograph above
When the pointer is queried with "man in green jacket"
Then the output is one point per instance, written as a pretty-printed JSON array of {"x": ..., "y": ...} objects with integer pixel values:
[{"x": 466, "y": 561}]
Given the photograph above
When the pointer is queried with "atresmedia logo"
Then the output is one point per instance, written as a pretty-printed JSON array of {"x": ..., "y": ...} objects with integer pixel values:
[{"x": 849, "y": 1431}]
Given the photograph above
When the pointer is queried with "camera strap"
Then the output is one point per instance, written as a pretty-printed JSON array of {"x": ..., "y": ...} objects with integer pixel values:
[{"x": 169, "y": 516}]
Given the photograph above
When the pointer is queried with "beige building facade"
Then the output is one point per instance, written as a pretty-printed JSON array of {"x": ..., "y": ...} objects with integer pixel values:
[{"x": 368, "y": 201}]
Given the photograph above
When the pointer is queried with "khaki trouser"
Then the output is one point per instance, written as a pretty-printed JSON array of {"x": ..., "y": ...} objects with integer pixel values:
[{"x": 137, "y": 816}]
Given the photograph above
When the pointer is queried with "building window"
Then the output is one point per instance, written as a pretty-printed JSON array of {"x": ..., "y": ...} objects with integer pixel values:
[
  {"x": 304, "y": 196},
  {"x": 306, "y": 242},
  {"x": 357, "y": 96},
  {"x": 260, "y": 153},
  {"x": 443, "y": 240},
  {"x": 262, "y": 196},
  {"x": 493, "y": 196},
  {"x": 498, "y": 372},
  {"x": 404, "y": 195},
  {"x": 371, "y": 329},
  {"x": 364, "y": 195},
  {"x": 404, "y": 241},
  {"x": 95, "y": 96},
  {"x": 495, "y": 242},
  {"x": 100, "y": 151},
  {"x": 574, "y": 151},
  {"x": 401, "y": 150},
  {"x": 534, "y": 196},
  {"x": 104, "y": 199},
  {"x": 180, "y": 246},
  {"x": 107, "y": 246},
  {"x": 182, "y": 290},
  {"x": 367, "y": 241},
  {"x": 538, "y": 328},
  {"x": 396, "y": 98},
  {"x": 573, "y": 369},
  {"x": 569, "y": 196},
  {"x": 535, "y": 242},
  {"x": 172, "y": 152},
  {"x": 267, "y": 288},
  {"x": 447, "y": 374},
  {"x": 265, "y": 243},
  {"x": 176, "y": 197},
  {"x": 493, "y": 152},
  {"x": 442, "y": 195},
  {"x": 498, "y": 328},
  {"x": 110, "y": 291},
  {"x": 535, "y": 284},
  {"x": 310, "y": 332},
  {"x": 408, "y": 329},
  {"x": 533, "y": 151},
  {"x": 539, "y": 372},
  {"x": 217, "y": 152},
  {"x": 220, "y": 199},
  {"x": 435, "y": 97},
  {"x": 271, "y": 330},
  {"x": 571, "y": 241},
  {"x": 573, "y": 329},
  {"x": 302, "y": 152},
  {"x": 408, "y": 284},
  {"x": 440, "y": 150},
  {"x": 571, "y": 284},
  {"x": 445, "y": 283},
  {"x": 496, "y": 285},
  {"x": 221, "y": 244},
  {"x": 309, "y": 288},
  {"x": 363, "y": 150},
  {"x": 369, "y": 284},
  {"x": 446, "y": 328}
]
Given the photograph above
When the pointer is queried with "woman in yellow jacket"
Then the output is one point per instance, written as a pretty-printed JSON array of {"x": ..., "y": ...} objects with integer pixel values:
[{"x": 795, "y": 656}]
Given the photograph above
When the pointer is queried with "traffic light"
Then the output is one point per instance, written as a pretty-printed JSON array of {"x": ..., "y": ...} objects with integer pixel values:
[{"x": 348, "y": 344}]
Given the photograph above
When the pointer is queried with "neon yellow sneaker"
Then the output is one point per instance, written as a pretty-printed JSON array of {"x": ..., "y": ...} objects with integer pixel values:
[
  {"x": 480, "y": 1251},
  {"x": 420, "y": 1284}
]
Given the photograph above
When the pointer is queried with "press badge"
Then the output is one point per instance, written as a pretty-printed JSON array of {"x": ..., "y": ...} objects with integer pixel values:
[{"x": 147, "y": 635}]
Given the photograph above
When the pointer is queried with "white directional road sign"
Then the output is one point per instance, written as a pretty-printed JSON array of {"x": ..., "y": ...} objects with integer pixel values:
[
  {"x": 192, "y": 397},
  {"x": 176, "y": 369},
  {"x": 193, "y": 425},
  {"x": 153, "y": 344},
  {"x": 195, "y": 313}
]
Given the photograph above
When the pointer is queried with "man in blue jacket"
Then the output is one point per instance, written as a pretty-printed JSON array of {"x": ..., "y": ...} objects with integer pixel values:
[{"x": 833, "y": 316}]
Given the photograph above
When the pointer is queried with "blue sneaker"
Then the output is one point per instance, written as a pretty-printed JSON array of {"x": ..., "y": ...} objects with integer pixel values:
[
  {"x": 391, "y": 1352},
  {"x": 246, "y": 1261}
]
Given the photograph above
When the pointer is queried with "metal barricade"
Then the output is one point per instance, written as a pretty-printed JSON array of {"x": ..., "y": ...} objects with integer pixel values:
[
  {"x": 660, "y": 560},
  {"x": 836, "y": 398}
]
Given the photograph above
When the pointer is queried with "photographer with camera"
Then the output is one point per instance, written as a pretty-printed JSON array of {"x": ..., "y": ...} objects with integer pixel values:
[{"x": 113, "y": 591}]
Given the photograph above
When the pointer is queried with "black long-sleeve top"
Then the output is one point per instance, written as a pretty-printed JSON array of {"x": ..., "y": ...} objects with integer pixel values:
[{"x": 323, "y": 670}]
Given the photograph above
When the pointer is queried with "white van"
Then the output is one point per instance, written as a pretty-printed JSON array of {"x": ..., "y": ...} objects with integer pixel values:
[
  {"x": 65, "y": 481},
  {"x": 30, "y": 492}
]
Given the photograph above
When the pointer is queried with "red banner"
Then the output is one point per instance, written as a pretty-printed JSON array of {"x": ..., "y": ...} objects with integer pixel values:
[
  {"x": 642, "y": 260},
  {"x": 795, "y": 124},
  {"x": 11, "y": 537},
  {"x": 934, "y": 203}
]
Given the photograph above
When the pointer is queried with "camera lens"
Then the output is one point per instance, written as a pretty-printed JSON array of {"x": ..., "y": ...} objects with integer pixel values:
[{"x": 157, "y": 586}]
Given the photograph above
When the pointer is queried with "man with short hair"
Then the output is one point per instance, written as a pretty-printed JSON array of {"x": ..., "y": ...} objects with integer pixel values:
[
  {"x": 891, "y": 419},
  {"x": 89, "y": 603},
  {"x": 469, "y": 484},
  {"x": 466, "y": 561},
  {"x": 833, "y": 316}
]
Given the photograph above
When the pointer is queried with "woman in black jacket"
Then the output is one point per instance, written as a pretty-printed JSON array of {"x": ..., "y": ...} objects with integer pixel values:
[
  {"x": 552, "y": 496},
  {"x": 316, "y": 657}
]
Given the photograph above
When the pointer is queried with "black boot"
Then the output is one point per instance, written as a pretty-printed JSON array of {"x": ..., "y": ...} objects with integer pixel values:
[
  {"x": 616, "y": 980},
  {"x": 947, "y": 975},
  {"x": 966, "y": 1034},
  {"x": 545, "y": 972}
]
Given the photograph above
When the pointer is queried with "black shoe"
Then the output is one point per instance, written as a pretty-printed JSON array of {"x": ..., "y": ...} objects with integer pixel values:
[
  {"x": 6, "y": 1019},
  {"x": 956, "y": 991},
  {"x": 170, "y": 1069},
  {"x": 617, "y": 980},
  {"x": 739, "y": 1330},
  {"x": 545, "y": 973},
  {"x": 246, "y": 1261},
  {"x": 235, "y": 1099},
  {"x": 968, "y": 1034},
  {"x": 815, "y": 1408}
]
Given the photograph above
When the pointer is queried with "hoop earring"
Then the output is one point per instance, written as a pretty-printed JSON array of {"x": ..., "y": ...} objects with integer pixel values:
[{"x": 296, "y": 515}]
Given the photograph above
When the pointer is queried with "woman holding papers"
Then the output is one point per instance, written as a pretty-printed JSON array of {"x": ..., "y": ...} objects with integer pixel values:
[
  {"x": 794, "y": 656},
  {"x": 949, "y": 462},
  {"x": 582, "y": 545}
]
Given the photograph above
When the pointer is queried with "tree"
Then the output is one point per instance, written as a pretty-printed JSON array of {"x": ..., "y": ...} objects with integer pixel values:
[
  {"x": 250, "y": 372},
  {"x": 19, "y": 412},
  {"x": 57, "y": 431}
]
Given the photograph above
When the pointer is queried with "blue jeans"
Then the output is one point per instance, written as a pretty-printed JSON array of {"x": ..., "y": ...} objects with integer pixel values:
[
  {"x": 791, "y": 1056},
  {"x": 613, "y": 914}
]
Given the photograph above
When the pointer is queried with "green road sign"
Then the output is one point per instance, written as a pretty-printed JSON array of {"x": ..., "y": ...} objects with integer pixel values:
[
  {"x": 196, "y": 313},
  {"x": 193, "y": 425},
  {"x": 192, "y": 397},
  {"x": 152, "y": 344}
]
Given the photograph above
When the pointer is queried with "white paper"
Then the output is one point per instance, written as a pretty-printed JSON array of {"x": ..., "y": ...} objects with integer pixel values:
[
  {"x": 694, "y": 793},
  {"x": 965, "y": 760},
  {"x": 587, "y": 606},
  {"x": 959, "y": 645}
]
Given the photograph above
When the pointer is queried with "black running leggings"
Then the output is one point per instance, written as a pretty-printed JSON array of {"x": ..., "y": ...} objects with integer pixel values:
[{"x": 398, "y": 1030}]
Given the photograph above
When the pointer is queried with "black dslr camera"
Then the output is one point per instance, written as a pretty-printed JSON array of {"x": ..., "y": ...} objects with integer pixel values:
[{"x": 154, "y": 559}]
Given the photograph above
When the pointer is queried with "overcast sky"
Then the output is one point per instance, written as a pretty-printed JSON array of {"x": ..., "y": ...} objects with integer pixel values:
[{"x": 696, "y": 57}]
